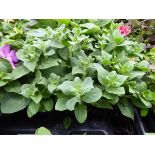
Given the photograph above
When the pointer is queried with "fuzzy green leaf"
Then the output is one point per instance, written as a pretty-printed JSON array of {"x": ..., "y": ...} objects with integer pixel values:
[
  {"x": 71, "y": 103},
  {"x": 48, "y": 104},
  {"x": 48, "y": 62},
  {"x": 126, "y": 108},
  {"x": 92, "y": 96},
  {"x": 80, "y": 112},
  {"x": 43, "y": 131},
  {"x": 61, "y": 104},
  {"x": 13, "y": 102},
  {"x": 117, "y": 91}
]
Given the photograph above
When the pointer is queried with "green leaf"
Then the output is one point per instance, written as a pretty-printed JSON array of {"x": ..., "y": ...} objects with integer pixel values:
[
  {"x": 88, "y": 25},
  {"x": 28, "y": 90},
  {"x": 88, "y": 84},
  {"x": 49, "y": 53},
  {"x": 29, "y": 114},
  {"x": 37, "y": 32},
  {"x": 118, "y": 37},
  {"x": 146, "y": 103},
  {"x": 91, "y": 28},
  {"x": 48, "y": 104},
  {"x": 108, "y": 95},
  {"x": 45, "y": 93},
  {"x": 51, "y": 88},
  {"x": 78, "y": 83},
  {"x": 138, "y": 103},
  {"x": 80, "y": 112},
  {"x": 44, "y": 23},
  {"x": 64, "y": 53},
  {"x": 136, "y": 74},
  {"x": 112, "y": 98},
  {"x": 29, "y": 54},
  {"x": 103, "y": 22},
  {"x": 71, "y": 103},
  {"x": 131, "y": 90},
  {"x": 30, "y": 65},
  {"x": 41, "y": 81},
  {"x": 13, "y": 87},
  {"x": 109, "y": 79},
  {"x": 105, "y": 58},
  {"x": 61, "y": 104},
  {"x": 115, "y": 80},
  {"x": 67, "y": 122},
  {"x": 117, "y": 91},
  {"x": 144, "y": 112},
  {"x": 43, "y": 131},
  {"x": 152, "y": 51},
  {"x": 92, "y": 96},
  {"x": 64, "y": 21},
  {"x": 127, "y": 67},
  {"x": 102, "y": 73},
  {"x": 38, "y": 77},
  {"x": 67, "y": 87},
  {"x": 56, "y": 44},
  {"x": 13, "y": 102},
  {"x": 48, "y": 62},
  {"x": 19, "y": 72},
  {"x": 143, "y": 66},
  {"x": 102, "y": 104},
  {"x": 5, "y": 65},
  {"x": 53, "y": 82},
  {"x": 126, "y": 43},
  {"x": 77, "y": 70},
  {"x": 33, "y": 107},
  {"x": 148, "y": 95},
  {"x": 111, "y": 45},
  {"x": 126, "y": 108},
  {"x": 36, "y": 97},
  {"x": 3, "y": 83}
]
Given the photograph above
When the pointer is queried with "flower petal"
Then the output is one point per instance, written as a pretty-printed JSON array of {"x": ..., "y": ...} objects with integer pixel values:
[
  {"x": 11, "y": 62},
  {"x": 13, "y": 65},
  {"x": 6, "y": 50},
  {"x": 13, "y": 56},
  {"x": 124, "y": 30}
]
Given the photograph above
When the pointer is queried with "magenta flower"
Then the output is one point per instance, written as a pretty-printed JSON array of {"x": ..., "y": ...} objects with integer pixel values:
[
  {"x": 10, "y": 55},
  {"x": 124, "y": 30}
]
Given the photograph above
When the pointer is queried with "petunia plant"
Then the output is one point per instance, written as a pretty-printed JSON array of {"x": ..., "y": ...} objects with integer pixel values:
[
  {"x": 75, "y": 95},
  {"x": 64, "y": 64}
]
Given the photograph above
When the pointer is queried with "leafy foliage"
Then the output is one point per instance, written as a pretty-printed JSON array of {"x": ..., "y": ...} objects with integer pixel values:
[
  {"x": 73, "y": 64},
  {"x": 42, "y": 131}
]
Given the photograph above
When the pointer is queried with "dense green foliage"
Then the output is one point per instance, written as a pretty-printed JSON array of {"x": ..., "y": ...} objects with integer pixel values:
[{"x": 73, "y": 64}]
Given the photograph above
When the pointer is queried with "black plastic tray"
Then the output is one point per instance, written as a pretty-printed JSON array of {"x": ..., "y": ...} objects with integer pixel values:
[
  {"x": 99, "y": 122},
  {"x": 149, "y": 122},
  {"x": 139, "y": 124}
]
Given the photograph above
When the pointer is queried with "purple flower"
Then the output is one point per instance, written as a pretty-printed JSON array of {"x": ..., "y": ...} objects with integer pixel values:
[{"x": 10, "y": 55}]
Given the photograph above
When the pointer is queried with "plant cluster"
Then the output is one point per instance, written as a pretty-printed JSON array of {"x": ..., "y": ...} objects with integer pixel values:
[{"x": 71, "y": 65}]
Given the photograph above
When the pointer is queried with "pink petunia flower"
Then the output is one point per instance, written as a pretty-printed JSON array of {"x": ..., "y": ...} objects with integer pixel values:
[
  {"x": 124, "y": 30},
  {"x": 10, "y": 55}
]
